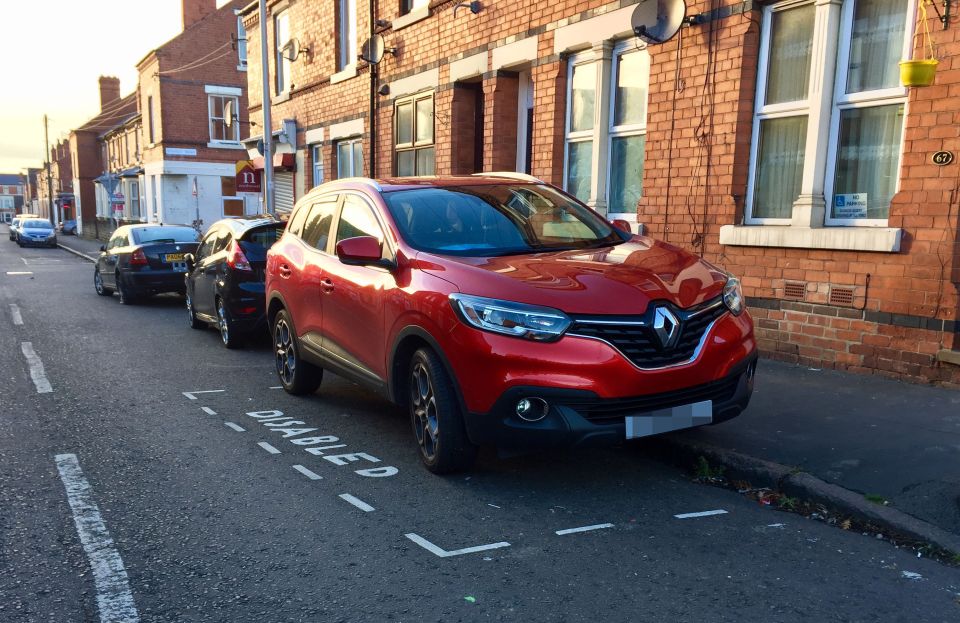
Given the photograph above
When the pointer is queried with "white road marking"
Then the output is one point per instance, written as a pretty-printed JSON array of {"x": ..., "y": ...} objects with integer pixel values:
[
  {"x": 36, "y": 369},
  {"x": 268, "y": 447},
  {"x": 235, "y": 427},
  {"x": 442, "y": 553},
  {"x": 114, "y": 599},
  {"x": 24, "y": 260},
  {"x": 702, "y": 514},
  {"x": 276, "y": 387},
  {"x": 346, "y": 497},
  {"x": 15, "y": 314},
  {"x": 192, "y": 395},
  {"x": 599, "y": 526},
  {"x": 19, "y": 272},
  {"x": 208, "y": 410},
  {"x": 306, "y": 472}
]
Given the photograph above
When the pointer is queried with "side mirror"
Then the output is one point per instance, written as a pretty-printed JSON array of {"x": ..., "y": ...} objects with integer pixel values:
[
  {"x": 359, "y": 251},
  {"x": 190, "y": 260},
  {"x": 623, "y": 226},
  {"x": 103, "y": 248}
]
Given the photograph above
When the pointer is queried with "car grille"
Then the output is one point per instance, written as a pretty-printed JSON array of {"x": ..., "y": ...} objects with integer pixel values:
[
  {"x": 612, "y": 410},
  {"x": 636, "y": 339}
]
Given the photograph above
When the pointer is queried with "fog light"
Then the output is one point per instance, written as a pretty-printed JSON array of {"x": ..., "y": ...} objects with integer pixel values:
[{"x": 532, "y": 409}]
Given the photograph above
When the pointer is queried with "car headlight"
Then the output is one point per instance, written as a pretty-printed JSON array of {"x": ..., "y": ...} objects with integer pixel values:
[
  {"x": 733, "y": 296},
  {"x": 542, "y": 324}
]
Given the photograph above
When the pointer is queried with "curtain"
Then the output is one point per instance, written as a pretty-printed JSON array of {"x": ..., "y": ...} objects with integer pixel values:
[
  {"x": 876, "y": 45},
  {"x": 868, "y": 155},
  {"x": 779, "y": 166},
  {"x": 791, "y": 45}
]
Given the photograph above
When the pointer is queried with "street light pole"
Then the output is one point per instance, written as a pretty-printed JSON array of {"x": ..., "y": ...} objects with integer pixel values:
[
  {"x": 46, "y": 142},
  {"x": 267, "y": 123}
]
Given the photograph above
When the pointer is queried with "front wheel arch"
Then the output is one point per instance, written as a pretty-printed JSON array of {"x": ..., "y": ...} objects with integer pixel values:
[{"x": 408, "y": 341}]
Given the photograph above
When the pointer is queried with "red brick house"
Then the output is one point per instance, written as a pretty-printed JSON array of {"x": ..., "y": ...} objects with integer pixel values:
[{"x": 773, "y": 138}]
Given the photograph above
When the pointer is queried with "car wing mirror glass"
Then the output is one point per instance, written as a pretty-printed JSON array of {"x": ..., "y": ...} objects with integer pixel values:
[{"x": 623, "y": 226}]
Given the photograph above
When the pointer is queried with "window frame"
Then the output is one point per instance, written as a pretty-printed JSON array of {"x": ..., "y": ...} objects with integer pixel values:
[
  {"x": 316, "y": 164},
  {"x": 282, "y": 65},
  {"x": 409, "y": 6},
  {"x": 577, "y": 136},
  {"x": 627, "y": 130},
  {"x": 414, "y": 145},
  {"x": 211, "y": 119},
  {"x": 354, "y": 142},
  {"x": 346, "y": 34},
  {"x": 241, "y": 43}
]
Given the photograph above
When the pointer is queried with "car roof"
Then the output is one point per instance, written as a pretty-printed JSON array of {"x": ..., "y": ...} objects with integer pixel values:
[{"x": 389, "y": 184}]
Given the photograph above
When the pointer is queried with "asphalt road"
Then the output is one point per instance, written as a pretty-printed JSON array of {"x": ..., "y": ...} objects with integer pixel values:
[{"x": 140, "y": 485}]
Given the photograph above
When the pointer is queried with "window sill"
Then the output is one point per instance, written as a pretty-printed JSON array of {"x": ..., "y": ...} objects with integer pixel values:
[
  {"x": 880, "y": 239},
  {"x": 345, "y": 74},
  {"x": 412, "y": 17},
  {"x": 280, "y": 98},
  {"x": 216, "y": 145}
]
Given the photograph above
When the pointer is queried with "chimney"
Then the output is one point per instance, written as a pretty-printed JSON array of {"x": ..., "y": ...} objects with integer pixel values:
[
  {"x": 196, "y": 10},
  {"x": 109, "y": 91}
]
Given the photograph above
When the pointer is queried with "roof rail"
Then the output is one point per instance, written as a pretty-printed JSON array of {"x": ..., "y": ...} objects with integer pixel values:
[
  {"x": 510, "y": 175},
  {"x": 362, "y": 180}
]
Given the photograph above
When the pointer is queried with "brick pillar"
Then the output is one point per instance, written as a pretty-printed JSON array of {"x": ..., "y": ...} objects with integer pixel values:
[
  {"x": 500, "y": 121},
  {"x": 549, "y": 121},
  {"x": 467, "y": 98}
]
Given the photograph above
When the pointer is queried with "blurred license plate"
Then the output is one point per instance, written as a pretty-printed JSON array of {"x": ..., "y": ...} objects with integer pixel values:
[
  {"x": 173, "y": 257},
  {"x": 666, "y": 420}
]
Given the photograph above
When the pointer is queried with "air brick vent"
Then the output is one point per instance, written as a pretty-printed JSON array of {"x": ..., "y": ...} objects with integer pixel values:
[
  {"x": 794, "y": 290},
  {"x": 841, "y": 296}
]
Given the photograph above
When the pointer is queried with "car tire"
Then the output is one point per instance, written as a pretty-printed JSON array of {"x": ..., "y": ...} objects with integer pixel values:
[
  {"x": 192, "y": 320},
  {"x": 124, "y": 292},
  {"x": 228, "y": 335},
  {"x": 98, "y": 284},
  {"x": 296, "y": 376},
  {"x": 436, "y": 416}
]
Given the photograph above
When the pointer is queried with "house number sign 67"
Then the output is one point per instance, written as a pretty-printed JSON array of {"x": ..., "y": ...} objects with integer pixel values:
[{"x": 942, "y": 158}]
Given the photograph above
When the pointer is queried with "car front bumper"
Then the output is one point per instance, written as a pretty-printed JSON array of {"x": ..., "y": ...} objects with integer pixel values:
[{"x": 38, "y": 242}]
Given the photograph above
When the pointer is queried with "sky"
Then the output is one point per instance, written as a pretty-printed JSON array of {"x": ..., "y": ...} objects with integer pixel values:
[{"x": 51, "y": 54}]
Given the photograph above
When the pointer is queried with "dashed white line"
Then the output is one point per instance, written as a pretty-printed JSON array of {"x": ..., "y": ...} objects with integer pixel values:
[
  {"x": 15, "y": 315},
  {"x": 268, "y": 447},
  {"x": 114, "y": 599},
  {"x": 19, "y": 272},
  {"x": 37, "y": 374},
  {"x": 235, "y": 427},
  {"x": 599, "y": 526},
  {"x": 192, "y": 395},
  {"x": 208, "y": 410},
  {"x": 701, "y": 514},
  {"x": 276, "y": 387},
  {"x": 308, "y": 473},
  {"x": 346, "y": 497},
  {"x": 442, "y": 553}
]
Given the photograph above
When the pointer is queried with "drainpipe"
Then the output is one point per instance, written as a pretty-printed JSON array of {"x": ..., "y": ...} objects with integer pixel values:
[{"x": 374, "y": 75}]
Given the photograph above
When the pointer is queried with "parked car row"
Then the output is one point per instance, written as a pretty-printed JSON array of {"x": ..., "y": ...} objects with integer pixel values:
[
  {"x": 30, "y": 230},
  {"x": 497, "y": 309}
]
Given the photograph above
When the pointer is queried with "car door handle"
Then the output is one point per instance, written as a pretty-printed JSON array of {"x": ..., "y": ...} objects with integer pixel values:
[
  {"x": 284, "y": 271},
  {"x": 326, "y": 285}
]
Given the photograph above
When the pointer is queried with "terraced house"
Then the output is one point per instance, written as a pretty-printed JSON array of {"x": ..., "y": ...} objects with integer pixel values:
[{"x": 774, "y": 138}]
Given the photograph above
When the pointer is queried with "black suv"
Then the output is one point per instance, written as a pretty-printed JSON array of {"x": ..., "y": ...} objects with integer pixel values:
[{"x": 225, "y": 277}]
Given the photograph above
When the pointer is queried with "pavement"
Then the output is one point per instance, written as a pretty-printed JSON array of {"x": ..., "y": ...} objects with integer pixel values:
[{"x": 878, "y": 450}]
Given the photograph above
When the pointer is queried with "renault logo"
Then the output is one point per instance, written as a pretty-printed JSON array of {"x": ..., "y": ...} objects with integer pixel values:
[{"x": 667, "y": 327}]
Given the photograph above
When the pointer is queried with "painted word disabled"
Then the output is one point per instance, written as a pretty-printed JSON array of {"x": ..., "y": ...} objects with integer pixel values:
[{"x": 298, "y": 433}]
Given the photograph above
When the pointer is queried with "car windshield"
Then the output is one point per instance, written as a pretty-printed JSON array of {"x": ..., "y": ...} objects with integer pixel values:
[
  {"x": 265, "y": 236},
  {"x": 492, "y": 220},
  {"x": 143, "y": 235},
  {"x": 38, "y": 224}
]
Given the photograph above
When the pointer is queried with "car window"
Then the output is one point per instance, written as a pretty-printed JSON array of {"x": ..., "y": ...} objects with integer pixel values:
[
  {"x": 264, "y": 236},
  {"x": 118, "y": 239},
  {"x": 316, "y": 229},
  {"x": 223, "y": 240},
  {"x": 144, "y": 235},
  {"x": 357, "y": 219},
  {"x": 37, "y": 224},
  {"x": 296, "y": 223},
  {"x": 206, "y": 246}
]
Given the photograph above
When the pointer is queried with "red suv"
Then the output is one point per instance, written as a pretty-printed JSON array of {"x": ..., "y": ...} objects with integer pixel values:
[{"x": 501, "y": 311}]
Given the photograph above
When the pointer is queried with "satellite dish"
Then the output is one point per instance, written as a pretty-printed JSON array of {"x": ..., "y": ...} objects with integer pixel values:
[
  {"x": 291, "y": 50},
  {"x": 657, "y": 21},
  {"x": 374, "y": 48}
]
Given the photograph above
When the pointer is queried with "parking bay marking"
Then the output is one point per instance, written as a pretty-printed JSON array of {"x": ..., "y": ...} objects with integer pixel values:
[
  {"x": 701, "y": 514},
  {"x": 307, "y": 472},
  {"x": 442, "y": 553},
  {"x": 114, "y": 599},
  {"x": 346, "y": 497},
  {"x": 37, "y": 374},
  {"x": 268, "y": 447},
  {"x": 208, "y": 410},
  {"x": 192, "y": 395},
  {"x": 235, "y": 427},
  {"x": 599, "y": 526},
  {"x": 19, "y": 272},
  {"x": 15, "y": 314}
]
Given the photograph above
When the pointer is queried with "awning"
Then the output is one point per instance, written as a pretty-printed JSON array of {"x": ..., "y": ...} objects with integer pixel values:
[
  {"x": 131, "y": 172},
  {"x": 280, "y": 161}
]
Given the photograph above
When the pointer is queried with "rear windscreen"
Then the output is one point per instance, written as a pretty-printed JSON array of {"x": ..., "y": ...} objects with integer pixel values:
[
  {"x": 265, "y": 236},
  {"x": 143, "y": 235}
]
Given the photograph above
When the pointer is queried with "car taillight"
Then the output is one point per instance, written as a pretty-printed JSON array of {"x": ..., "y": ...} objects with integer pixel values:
[
  {"x": 138, "y": 258},
  {"x": 237, "y": 260}
]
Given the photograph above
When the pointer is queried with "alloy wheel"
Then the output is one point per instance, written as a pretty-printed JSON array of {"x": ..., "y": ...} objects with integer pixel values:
[
  {"x": 285, "y": 351},
  {"x": 426, "y": 421}
]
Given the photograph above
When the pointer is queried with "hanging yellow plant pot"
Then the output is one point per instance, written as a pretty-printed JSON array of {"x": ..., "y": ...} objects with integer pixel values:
[{"x": 918, "y": 73}]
